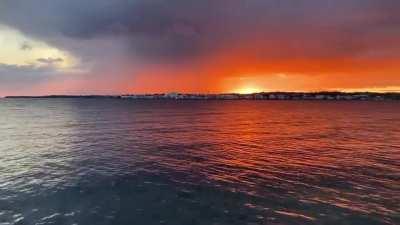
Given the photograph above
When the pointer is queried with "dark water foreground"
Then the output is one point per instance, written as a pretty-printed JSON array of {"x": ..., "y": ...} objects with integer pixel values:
[{"x": 117, "y": 162}]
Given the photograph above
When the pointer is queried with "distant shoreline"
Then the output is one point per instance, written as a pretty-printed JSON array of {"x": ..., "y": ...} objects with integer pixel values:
[
  {"x": 329, "y": 96},
  {"x": 63, "y": 96}
]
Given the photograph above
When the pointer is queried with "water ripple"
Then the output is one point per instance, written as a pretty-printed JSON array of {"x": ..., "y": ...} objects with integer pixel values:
[{"x": 88, "y": 161}]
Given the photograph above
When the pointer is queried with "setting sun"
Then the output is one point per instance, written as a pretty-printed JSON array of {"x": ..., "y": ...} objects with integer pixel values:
[
  {"x": 199, "y": 112},
  {"x": 248, "y": 90}
]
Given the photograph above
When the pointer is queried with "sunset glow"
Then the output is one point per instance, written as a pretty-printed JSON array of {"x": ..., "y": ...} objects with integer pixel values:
[
  {"x": 199, "y": 46},
  {"x": 248, "y": 90},
  {"x": 179, "y": 112}
]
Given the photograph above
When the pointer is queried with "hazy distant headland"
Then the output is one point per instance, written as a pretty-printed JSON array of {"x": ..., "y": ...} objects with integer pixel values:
[{"x": 329, "y": 96}]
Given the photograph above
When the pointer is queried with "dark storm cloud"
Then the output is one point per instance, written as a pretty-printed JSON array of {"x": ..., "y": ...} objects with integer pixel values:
[
  {"x": 151, "y": 27},
  {"x": 188, "y": 28}
]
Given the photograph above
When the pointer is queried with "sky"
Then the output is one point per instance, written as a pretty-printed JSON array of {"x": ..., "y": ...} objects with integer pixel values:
[{"x": 202, "y": 46}]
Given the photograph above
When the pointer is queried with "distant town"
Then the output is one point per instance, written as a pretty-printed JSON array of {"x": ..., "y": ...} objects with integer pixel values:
[{"x": 329, "y": 96}]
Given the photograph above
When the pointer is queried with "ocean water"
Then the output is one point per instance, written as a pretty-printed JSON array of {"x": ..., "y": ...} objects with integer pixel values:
[{"x": 117, "y": 162}]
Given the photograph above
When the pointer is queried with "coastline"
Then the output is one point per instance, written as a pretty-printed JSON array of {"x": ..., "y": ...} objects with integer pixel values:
[{"x": 328, "y": 96}]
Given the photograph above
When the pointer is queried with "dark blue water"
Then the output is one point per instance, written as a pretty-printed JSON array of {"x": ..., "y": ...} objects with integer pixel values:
[{"x": 104, "y": 161}]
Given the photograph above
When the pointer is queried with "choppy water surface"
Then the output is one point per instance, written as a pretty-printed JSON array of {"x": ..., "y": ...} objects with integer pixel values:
[{"x": 103, "y": 161}]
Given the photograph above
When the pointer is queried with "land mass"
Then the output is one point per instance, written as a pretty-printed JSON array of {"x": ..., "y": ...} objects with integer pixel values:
[{"x": 330, "y": 96}]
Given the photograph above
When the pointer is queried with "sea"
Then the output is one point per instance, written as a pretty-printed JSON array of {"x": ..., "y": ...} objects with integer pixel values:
[{"x": 126, "y": 162}]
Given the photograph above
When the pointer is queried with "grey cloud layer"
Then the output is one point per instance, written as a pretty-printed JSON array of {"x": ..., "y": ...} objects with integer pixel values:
[
  {"x": 22, "y": 75},
  {"x": 181, "y": 29}
]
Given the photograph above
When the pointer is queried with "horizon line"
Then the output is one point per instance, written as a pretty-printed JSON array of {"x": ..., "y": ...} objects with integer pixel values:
[{"x": 206, "y": 93}]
